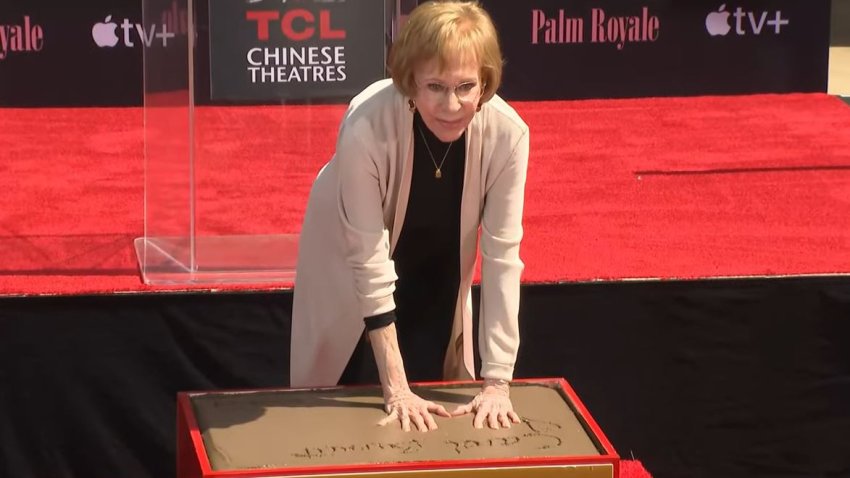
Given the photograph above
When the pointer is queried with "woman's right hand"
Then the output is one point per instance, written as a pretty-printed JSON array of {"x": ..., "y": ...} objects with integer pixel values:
[
  {"x": 401, "y": 404},
  {"x": 407, "y": 407}
]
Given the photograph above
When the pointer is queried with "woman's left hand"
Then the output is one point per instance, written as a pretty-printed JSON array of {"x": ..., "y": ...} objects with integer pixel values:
[{"x": 492, "y": 405}]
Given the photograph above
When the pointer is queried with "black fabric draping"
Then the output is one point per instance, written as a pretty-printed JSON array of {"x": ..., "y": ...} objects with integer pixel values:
[
  {"x": 88, "y": 384},
  {"x": 732, "y": 378}
]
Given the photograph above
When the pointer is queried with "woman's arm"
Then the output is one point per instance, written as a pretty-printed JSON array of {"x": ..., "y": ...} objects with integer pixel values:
[
  {"x": 361, "y": 196},
  {"x": 401, "y": 403},
  {"x": 498, "y": 333},
  {"x": 388, "y": 359},
  {"x": 501, "y": 266}
]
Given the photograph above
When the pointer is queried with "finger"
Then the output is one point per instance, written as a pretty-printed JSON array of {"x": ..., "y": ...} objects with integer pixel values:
[
  {"x": 393, "y": 416},
  {"x": 419, "y": 421},
  {"x": 478, "y": 421},
  {"x": 504, "y": 421},
  {"x": 438, "y": 409},
  {"x": 513, "y": 416},
  {"x": 493, "y": 420},
  {"x": 429, "y": 420},
  {"x": 405, "y": 420},
  {"x": 462, "y": 410}
]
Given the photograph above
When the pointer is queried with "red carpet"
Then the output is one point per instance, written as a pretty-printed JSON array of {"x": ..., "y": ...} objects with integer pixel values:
[
  {"x": 633, "y": 469},
  {"x": 617, "y": 189}
]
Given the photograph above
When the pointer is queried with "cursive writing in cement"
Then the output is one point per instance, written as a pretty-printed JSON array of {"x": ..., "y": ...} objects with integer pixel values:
[
  {"x": 534, "y": 430},
  {"x": 530, "y": 433},
  {"x": 405, "y": 447}
]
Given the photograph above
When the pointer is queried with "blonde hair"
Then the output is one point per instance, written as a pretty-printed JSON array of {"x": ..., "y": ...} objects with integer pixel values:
[{"x": 447, "y": 30}]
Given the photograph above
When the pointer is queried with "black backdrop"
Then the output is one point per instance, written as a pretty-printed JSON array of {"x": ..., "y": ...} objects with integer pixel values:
[
  {"x": 71, "y": 70},
  {"x": 731, "y": 378},
  {"x": 680, "y": 59}
]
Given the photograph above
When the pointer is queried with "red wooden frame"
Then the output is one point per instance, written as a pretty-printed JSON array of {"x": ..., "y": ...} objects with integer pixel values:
[{"x": 193, "y": 461}]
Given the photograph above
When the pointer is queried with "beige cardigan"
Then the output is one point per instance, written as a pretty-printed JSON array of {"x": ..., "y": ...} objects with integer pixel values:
[{"x": 352, "y": 225}]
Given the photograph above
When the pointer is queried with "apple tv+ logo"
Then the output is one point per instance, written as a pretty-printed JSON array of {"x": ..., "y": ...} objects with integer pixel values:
[
  {"x": 717, "y": 23},
  {"x": 105, "y": 36}
]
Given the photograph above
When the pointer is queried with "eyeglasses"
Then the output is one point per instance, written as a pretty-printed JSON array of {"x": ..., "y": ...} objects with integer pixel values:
[{"x": 465, "y": 92}]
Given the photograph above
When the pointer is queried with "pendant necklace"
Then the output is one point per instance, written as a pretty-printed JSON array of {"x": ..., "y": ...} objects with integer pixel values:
[{"x": 437, "y": 168}]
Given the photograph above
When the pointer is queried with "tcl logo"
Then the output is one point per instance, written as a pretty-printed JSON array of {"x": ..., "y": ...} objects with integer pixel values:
[{"x": 297, "y": 24}]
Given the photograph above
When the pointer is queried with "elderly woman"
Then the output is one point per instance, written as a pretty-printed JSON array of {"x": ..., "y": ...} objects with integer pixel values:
[{"x": 429, "y": 166}]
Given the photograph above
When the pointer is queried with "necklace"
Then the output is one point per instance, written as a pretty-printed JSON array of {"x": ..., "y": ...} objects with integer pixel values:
[{"x": 437, "y": 172}]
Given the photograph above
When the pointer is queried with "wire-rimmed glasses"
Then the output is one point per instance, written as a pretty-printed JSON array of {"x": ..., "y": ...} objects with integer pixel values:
[{"x": 466, "y": 92}]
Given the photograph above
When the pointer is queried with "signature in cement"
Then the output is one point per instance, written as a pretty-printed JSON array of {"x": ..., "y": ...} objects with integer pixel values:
[
  {"x": 530, "y": 433},
  {"x": 404, "y": 447},
  {"x": 534, "y": 430}
]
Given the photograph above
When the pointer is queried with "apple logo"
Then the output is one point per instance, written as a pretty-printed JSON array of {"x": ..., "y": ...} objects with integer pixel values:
[
  {"x": 717, "y": 23},
  {"x": 104, "y": 33}
]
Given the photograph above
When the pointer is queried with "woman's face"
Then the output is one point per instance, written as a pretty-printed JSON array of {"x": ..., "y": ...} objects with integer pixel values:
[{"x": 447, "y": 99}]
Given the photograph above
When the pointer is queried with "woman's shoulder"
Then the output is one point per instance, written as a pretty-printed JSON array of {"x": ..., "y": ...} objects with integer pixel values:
[
  {"x": 504, "y": 117},
  {"x": 374, "y": 115},
  {"x": 380, "y": 96}
]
